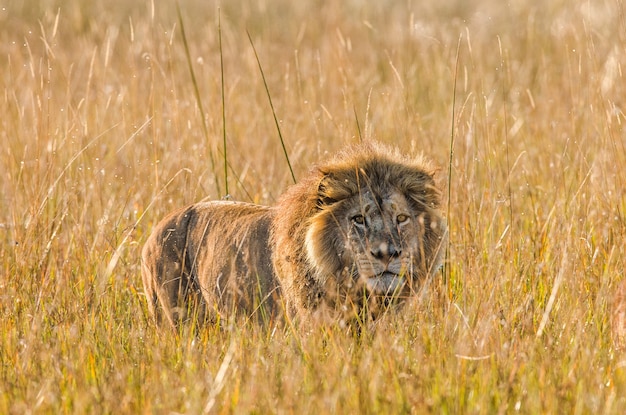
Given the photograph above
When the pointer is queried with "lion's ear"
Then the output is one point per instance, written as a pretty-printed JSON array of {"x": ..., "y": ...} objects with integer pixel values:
[
  {"x": 421, "y": 189},
  {"x": 324, "y": 190},
  {"x": 335, "y": 187}
]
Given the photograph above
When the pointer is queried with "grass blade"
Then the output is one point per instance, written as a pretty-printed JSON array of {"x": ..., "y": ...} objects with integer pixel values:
[
  {"x": 358, "y": 126},
  {"x": 197, "y": 94},
  {"x": 446, "y": 267},
  {"x": 269, "y": 97},
  {"x": 219, "y": 31},
  {"x": 506, "y": 134}
]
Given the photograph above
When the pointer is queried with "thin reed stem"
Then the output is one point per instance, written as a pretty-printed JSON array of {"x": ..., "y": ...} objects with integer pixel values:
[
  {"x": 205, "y": 129},
  {"x": 219, "y": 31},
  {"x": 269, "y": 97},
  {"x": 446, "y": 267}
]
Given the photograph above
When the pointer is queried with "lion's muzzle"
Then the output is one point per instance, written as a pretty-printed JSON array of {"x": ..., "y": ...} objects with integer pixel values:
[{"x": 385, "y": 284}]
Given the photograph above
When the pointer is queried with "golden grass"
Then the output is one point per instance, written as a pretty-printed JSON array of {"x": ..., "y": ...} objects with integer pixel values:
[{"x": 101, "y": 136}]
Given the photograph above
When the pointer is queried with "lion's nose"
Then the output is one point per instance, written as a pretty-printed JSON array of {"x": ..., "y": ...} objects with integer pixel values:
[{"x": 385, "y": 251}]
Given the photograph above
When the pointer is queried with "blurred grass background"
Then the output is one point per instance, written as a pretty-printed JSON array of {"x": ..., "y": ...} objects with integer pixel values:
[{"x": 101, "y": 137}]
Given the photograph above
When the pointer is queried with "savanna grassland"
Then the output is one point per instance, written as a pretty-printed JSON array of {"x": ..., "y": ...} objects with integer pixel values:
[{"x": 102, "y": 133}]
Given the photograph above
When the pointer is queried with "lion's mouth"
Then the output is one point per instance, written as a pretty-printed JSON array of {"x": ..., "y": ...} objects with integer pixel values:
[{"x": 386, "y": 283}]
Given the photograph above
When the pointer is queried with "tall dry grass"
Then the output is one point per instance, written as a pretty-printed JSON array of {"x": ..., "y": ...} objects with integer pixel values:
[{"x": 101, "y": 136}]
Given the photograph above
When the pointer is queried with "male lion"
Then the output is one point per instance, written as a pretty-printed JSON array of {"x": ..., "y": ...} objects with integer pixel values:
[{"x": 360, "y": 232}]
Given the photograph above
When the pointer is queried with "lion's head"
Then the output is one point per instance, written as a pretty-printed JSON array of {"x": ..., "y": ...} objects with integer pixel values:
[{"x": 365, "y": 225}]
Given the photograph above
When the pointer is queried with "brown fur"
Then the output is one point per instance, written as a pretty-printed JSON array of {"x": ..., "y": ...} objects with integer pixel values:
[{"x": 359, "y": 232}]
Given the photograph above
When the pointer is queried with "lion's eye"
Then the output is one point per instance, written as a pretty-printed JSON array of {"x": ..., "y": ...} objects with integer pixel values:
[
  {"x": 359, "y": 219},
  {"x": 401, "y": 218}
]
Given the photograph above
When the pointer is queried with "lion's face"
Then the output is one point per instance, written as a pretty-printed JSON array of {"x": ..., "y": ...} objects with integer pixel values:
[
  {"x": 371, "y": 240},
  {"x": 382, "y": 241}
]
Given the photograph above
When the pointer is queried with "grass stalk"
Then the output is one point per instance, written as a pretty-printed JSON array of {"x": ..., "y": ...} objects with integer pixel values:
[
  {"x": 506, "y": 136},
  {"x": 269, "y": 97},
  {"x": 219, "y": 31},
  {"x": 358, "y": 126},
  {"x": 196, "y": 90},
  {"x": 446, "y": 266}
]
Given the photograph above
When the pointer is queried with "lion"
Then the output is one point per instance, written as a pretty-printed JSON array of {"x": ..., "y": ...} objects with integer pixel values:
[{"x": 360, "y": 232}]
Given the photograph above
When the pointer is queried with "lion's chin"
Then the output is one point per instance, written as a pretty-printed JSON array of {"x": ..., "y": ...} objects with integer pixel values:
[{"x": 386, "y": 284}]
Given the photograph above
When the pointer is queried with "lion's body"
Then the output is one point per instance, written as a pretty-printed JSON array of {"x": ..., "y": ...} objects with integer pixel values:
[
  {"x": 215, "y": 256},
  {"x": 358, "y": 233}
]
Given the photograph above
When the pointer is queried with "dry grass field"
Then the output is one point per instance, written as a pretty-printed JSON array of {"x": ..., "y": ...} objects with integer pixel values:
[{"x": 520, "y": 103}]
